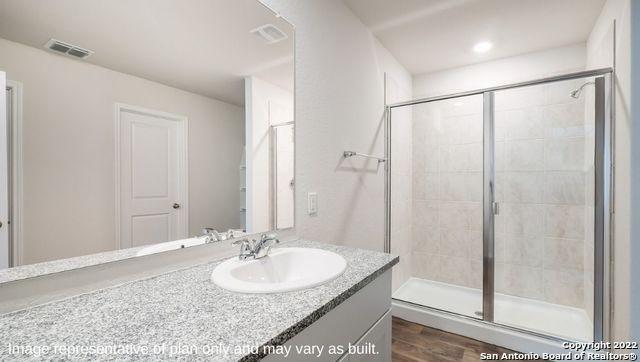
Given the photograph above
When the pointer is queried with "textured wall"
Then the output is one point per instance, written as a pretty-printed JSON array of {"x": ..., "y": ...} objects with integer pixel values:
[
  {"x": 601, "y": 53},
  {"x": 339, "y": 106}
]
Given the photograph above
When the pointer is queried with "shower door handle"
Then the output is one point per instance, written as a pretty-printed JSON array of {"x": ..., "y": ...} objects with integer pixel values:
[{"x": 496, "y": 208}]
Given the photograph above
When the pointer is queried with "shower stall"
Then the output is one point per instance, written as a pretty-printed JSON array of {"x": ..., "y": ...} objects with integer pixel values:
[{"x": 498, "y": 203}]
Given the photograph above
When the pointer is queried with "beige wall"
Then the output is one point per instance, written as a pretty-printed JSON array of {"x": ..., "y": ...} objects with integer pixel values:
[
  {"x": 339, "y": 106},
  {"x": 68, "y": 146}
]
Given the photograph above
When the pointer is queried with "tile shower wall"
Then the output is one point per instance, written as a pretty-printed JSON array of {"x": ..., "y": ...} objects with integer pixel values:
[
  {"x": 447, "y": 191},
  {"x": 542, "y": 167},
  {"x": 542, "y": 184},
  {"x": 401, "y": 176}
]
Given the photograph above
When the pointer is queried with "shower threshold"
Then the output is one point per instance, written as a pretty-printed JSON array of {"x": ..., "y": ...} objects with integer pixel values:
[{"x": 528, "y": 314}]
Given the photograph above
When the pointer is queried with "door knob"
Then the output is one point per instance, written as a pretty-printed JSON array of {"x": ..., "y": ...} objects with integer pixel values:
[{"x": 176, "y": 206}]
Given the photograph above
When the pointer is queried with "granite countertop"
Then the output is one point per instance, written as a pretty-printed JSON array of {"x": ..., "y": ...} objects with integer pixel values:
[
  {"x": 181, "y": 313},
  {"x": 60, "y": 265}
]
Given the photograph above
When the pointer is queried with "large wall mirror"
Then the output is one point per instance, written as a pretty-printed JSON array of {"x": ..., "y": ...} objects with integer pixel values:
[{"x": 134, "y": 123}]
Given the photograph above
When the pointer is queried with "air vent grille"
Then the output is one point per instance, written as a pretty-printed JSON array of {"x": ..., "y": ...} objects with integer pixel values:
[
  {"x": 270, "y": 33},
  {"x": 71, "y": 50}
]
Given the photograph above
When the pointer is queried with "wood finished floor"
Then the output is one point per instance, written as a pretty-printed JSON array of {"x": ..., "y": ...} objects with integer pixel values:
[{"x": 414, "y": 342}]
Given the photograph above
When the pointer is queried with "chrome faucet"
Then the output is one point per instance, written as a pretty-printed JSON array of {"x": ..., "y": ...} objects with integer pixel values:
[
  {"x": 212, "y": 235},
  {"x": 256, "y": 249}
]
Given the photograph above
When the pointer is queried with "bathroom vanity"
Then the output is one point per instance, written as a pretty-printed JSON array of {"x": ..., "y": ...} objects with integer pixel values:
[
  {"x": 182, "y": 313},
  {"x": 113, "y": 231}
]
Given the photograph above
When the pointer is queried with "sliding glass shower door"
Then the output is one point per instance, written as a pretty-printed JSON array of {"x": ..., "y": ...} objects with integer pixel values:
[
  {"x": 544, "y": 231},
  {"x": 445, "y": 197},
  {"x": 508, "y": 199}
]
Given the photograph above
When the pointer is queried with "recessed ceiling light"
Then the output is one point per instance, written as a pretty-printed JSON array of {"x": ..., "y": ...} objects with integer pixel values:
[{"x": 482, "y": 47}]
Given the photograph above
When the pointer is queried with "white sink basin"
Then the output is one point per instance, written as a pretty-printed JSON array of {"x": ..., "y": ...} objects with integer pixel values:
[
  {"x": 171, "y": 245},
  {"x": 283, "y": 270}
]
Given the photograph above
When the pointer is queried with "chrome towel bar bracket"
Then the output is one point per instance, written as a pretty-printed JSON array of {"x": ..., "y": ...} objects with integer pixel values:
[{"x": 348, "y": 154}]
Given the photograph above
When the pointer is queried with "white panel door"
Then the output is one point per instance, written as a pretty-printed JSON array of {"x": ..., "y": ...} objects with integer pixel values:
[
  {"x": 284, "y": 176},
  {"x": 4, "y": 200},
  {"x": 152, "y": 178}
]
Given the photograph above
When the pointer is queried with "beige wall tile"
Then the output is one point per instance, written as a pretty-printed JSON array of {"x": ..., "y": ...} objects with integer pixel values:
[
  {"x": 473, "y": 127},
  {"x": 564, "y": 221},
  {"x": 453, "y": 186},
  {"x": 564, "y": 120},
  {"x": 526, "y": 155},
  {"x": 425, "y": 158},
  {"x": 426, "y": 266},
  {"x": 522, "y": 281},
  {"x": 563, "y": 254},
  {"x": 524, "y": 219},
  {"x": 524, "y": 250},
  {"x": 473, "y": 211},
  {"x": 426, "y": 240},
  {"x": 475, "y": 274},
  {"x": 474, "y": 186},
  {"x": 564, "y": 187},
  {"x": 454, "y": 242},
  {"x": 453, "y": 215},
  {"x": 475, "y": 157},
  {"x": 475, "y": 244},
  {"x": 564, "y": 287},
  {"x": 565, "y": 154},
  {"x": 418, "y": 187},
  {"x": 523, "y": 186},
  {"x": 454, "y": 158},
  {"x": 431, "y": 186},
  {"x": 455, "y": 270},
  {"x": 521, "y": 124},
  {"x": 425, "y": 214},
  {"x": 499, "y": 242}
]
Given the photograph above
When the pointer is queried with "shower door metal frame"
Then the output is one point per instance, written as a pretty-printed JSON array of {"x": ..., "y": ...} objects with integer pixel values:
[{"x": 603, "y": 166}]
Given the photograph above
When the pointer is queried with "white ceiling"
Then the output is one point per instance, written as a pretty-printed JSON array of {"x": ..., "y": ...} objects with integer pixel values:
[
  {"x": 430, "y": 35},
  {"x": 202, "y": 46}
]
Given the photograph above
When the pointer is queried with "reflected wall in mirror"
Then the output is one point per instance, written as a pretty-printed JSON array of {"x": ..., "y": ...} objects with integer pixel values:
[{"x": 138, "y": 122}]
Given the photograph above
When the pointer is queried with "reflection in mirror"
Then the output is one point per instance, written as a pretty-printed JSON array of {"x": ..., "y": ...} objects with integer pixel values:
[{"x": 142, "y": 124}]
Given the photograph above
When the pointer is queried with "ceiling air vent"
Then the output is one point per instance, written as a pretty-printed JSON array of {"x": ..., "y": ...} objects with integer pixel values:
[
  {"x": 270, "y": 33},
  {"x": 71, "y": 50}
]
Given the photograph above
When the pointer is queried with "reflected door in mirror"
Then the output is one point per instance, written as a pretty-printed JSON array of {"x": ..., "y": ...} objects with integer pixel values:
[
  {"x": 284, "y": 176},
  {"x": 4, "y": 207},
  {"x": 152, "y": 177}
]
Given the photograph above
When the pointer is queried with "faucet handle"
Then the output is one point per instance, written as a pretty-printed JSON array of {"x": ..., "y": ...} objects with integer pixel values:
[
  {"x": 243, "y": 242},
  {"x": 270, "y": 236},
  {"x": 246, "y": 248}
]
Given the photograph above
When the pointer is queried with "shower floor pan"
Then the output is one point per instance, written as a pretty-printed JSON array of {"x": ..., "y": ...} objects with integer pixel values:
[{"x": 528, "y": 314}]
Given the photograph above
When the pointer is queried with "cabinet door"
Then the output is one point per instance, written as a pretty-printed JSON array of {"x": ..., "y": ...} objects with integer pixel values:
[{"x": 377, "y": 340}]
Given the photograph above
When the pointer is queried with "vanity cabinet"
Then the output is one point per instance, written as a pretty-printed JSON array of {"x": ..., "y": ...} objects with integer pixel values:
[
  {"x": 361, "y": 320},
  {"x": 380, "y": 336}
]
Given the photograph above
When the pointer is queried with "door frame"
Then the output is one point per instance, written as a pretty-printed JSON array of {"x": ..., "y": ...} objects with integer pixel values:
[
  {"x": 183, "y": 163},
  {"x": 274, "y": 172},
  {"x": 17, "y": 172}
]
